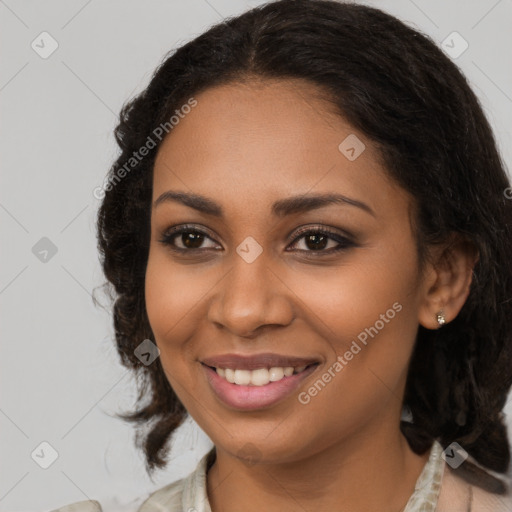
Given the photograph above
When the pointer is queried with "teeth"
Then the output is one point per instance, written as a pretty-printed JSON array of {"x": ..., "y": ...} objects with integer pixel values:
[
  {"x": 275, "y": 374},
  {"x": 259, "y": 377},
  {"x": 242, "y": 377},
  {"x": 230, "y": 375}
]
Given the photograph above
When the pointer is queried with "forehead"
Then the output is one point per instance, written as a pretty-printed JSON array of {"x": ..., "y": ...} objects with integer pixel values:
[{"x": 263, "y": 140}]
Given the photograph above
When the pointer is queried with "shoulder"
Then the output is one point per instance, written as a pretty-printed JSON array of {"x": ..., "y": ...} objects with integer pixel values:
[
  {"x": 471, "y": 488},
  {"x": 82, "y": 506},
  {"x": 175, "y": 497},
  {"x": 485, "y": 501},
  {"x": 168, "y": 498},
  {"x": 186, "y": 494}
]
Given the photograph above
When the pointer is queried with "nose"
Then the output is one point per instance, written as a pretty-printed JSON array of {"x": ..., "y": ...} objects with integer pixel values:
[{"x": 251, "y": 299}]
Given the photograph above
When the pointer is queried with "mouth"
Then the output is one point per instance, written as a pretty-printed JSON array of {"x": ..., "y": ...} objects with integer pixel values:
[
  {"x": 259, "y": 388},
  {"x": 259, "y": 376}
]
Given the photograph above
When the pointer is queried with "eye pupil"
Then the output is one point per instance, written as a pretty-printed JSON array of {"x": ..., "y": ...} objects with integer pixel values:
[
  {"x": 192, "y": 240},
  {"x": 318, "y": 240}
]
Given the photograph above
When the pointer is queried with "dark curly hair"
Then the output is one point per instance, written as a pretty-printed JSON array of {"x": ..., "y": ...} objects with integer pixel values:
[{"x": 398, "y": 88}]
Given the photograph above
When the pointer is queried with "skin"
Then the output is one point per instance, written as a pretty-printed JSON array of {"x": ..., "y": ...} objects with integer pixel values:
[{"x": 245, "y": 146}]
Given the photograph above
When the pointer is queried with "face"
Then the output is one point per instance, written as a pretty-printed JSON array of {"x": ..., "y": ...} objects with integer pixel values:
[{"x": 334, "y": 285}]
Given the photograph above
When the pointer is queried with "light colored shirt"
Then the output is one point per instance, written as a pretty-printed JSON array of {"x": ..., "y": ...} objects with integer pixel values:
[{"x": 439, "y": 488}]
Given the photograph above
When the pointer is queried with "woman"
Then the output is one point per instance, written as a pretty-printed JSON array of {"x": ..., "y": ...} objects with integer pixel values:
[{"x": 311, "y": 221}]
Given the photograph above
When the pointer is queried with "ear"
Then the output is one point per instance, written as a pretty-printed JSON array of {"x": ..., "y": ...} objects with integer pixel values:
[{"x": 447, "y": 281}]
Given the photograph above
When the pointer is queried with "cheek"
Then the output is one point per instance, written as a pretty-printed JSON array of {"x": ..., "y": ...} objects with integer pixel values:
[
  {"x": 172, "y": 297},
  {"x": 173, "y": 294},
  {"x": 367, "y": 311},
  {"x": 367, "y": 314},
  {"x": 177, "y": 307},
  {"x": 345, "y": 300}
]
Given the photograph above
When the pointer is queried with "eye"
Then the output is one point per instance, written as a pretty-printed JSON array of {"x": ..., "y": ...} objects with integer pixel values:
[
  {"x": 316, "y": 239},
  {"x": 191, "y": 238}
]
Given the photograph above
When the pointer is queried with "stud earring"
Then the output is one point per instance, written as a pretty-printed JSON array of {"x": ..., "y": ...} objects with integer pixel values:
[{"x": 441, "y": 319}]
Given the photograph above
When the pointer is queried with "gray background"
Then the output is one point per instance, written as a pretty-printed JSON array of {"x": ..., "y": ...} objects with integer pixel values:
[{"x": 60, "y": 378}]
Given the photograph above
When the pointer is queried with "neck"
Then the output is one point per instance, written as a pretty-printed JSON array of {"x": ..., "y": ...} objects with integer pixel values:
[{"x": 372, "y": 471}]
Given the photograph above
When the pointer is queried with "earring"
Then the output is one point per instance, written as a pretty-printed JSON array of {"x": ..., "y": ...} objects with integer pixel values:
[{"x": 441, "y": 320}]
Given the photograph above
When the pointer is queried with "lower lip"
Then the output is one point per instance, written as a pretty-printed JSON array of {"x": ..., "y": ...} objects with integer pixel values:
[{"x": 249, "y": 398}]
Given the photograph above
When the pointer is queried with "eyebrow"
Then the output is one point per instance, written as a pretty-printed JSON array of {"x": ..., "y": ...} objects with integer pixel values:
[{"x": 281, "y": 208}]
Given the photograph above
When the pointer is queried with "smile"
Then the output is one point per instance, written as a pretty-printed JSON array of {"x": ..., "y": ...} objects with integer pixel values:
[
  {"x": 258, "y": 377},
  {"x": 255, "y": 389}
]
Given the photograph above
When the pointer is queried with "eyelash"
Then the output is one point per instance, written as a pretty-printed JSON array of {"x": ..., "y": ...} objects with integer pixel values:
[{"x": 344, "y": 243}]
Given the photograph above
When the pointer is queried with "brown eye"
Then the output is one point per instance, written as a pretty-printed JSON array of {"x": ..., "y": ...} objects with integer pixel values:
[
  {"x": 316, "y": 241},
  {"x": 192, "y": 240},
  {"x": 185, "y": 239}
]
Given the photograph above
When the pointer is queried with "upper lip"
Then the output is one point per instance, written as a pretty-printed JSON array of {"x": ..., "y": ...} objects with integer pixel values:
[{"x": 266, "y": 360}]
